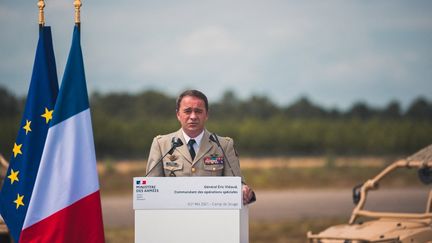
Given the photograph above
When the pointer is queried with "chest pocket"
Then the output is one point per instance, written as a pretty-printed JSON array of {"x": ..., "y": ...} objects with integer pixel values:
[
  {"x": 216, "y": 167},
  {"x": 173, "y": 165}
]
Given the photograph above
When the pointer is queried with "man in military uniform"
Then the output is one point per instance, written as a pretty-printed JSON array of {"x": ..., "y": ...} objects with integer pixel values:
[{"x": 198, "y": 153}]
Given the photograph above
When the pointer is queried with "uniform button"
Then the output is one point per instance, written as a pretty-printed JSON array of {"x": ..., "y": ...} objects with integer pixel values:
[
  {"x": 193, "y": 169},
  {"x": 214, "y": 168}
]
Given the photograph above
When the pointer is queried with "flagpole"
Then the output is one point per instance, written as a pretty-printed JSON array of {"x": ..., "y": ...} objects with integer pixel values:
[
  {"x": 77, "y": 4},
  {"x": 41, "y": 5}
]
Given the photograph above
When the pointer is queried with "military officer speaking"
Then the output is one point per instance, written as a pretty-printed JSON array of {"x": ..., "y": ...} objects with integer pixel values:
[{"x": 192, "y": 150}]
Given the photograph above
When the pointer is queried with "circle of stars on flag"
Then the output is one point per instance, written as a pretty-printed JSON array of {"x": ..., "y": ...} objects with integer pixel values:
[{"x": 17, "y": 150}]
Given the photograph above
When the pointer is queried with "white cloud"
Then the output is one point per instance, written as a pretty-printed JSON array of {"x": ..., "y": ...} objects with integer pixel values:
[
  {"x": 362, "y": 67},
  {"x": 211, "y": 41}
]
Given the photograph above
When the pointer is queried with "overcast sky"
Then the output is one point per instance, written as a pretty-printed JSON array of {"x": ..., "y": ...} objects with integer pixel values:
[{"x": 334, "y": 52}]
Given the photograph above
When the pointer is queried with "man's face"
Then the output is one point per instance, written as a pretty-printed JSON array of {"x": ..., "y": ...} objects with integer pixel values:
[{"x": 192, "y": 115}]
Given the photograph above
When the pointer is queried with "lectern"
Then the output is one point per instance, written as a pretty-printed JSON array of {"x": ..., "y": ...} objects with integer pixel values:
[{"x": 189, "y": 210}]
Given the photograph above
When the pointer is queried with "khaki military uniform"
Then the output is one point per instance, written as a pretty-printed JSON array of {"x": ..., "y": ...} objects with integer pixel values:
[{"x": 209, "y": 159}]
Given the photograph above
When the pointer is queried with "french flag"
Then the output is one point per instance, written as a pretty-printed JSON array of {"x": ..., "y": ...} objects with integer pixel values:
[{"x": 65, "y": 205}]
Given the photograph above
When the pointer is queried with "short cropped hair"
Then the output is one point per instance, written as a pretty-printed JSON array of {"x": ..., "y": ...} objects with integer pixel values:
[{"x": 193, "y": 93}]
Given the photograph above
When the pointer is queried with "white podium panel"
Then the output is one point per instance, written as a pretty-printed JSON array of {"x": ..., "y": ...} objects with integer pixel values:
[
  {"x": 187, "y": 193},
  {"x": 189, "y": 210}
]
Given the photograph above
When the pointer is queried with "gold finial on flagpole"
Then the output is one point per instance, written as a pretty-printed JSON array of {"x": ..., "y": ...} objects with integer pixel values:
[
  {"x": 41, "y": 5},
  {"x": 77, "y": 4}
]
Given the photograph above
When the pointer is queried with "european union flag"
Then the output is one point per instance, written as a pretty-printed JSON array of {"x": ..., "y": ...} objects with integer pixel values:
[{"x": 27, "y": 150}]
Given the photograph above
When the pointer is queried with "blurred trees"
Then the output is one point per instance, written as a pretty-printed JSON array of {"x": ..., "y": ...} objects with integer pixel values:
[
  {"x": 420, "y": 109},
  {"x": 125, "y": 124},
  {"x": 9, "y": 105},
  {"x": 10, "y": 112}
]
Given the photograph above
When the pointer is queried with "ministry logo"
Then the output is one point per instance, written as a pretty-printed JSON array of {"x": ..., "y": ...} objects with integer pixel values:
[{"x": 141, "y": 182}]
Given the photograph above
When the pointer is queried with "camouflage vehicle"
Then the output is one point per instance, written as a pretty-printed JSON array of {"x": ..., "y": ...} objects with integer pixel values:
[{"x": 385, "y": 226}]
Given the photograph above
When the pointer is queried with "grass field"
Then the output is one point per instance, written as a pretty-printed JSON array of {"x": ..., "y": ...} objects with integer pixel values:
[{"x": 275, "y": 173}]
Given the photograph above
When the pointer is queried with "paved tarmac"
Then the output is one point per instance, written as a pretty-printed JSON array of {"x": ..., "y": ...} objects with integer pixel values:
[{"x": 292, "y": 204}]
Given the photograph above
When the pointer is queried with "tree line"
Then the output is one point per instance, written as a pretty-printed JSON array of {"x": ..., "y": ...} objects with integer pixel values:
[{"x": 124, "y": 125}]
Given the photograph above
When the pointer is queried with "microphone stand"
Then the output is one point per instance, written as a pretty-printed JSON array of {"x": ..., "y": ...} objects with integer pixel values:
[
  {"x": 213, "y": 138},
  {"x": 176, "y": 142}
]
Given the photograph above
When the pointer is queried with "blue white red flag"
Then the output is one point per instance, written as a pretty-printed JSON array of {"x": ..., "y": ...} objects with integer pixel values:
[{"x": 65, "y": 205}]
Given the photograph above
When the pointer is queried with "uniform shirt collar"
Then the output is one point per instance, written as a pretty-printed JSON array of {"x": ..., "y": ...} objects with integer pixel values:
[{"x": 197, "y": 138}]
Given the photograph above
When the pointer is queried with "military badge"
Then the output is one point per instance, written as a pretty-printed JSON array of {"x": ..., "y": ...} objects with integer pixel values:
[
  {"x": 214, "y": 159},
  {"x": 172, "y": 164}
]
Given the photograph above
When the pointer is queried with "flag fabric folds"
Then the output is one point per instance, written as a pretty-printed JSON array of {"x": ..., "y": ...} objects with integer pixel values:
[
  {"x": 65, "y": 205},
  {"x": 27, "y": 150}
]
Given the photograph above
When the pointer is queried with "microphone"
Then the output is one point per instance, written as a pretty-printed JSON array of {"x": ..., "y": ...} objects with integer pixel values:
[
  {"x": 175, "y": 142},
  {"x": 213, "y": 138}
]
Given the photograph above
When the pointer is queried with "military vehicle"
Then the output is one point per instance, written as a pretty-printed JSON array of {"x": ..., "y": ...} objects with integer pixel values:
[{"x": 377, "y": 226}]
